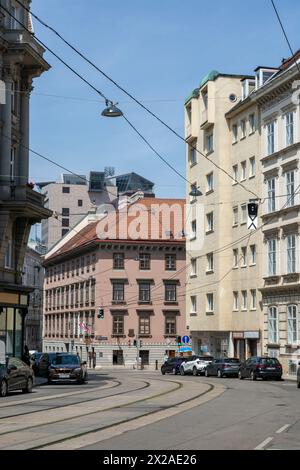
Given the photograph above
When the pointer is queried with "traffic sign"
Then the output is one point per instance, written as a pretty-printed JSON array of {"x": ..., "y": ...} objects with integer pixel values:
[{"x": 185, "y": 339}]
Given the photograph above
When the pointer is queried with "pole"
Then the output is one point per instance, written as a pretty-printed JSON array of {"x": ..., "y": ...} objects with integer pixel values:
[{"x": 137, "y": 353}]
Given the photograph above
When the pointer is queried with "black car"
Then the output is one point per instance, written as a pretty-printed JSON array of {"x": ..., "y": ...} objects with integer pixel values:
[
  {"x": 298, "y": 375},
  {"x": 15, "y": 375},
  {"x": 261, "y": 367},
  {"x": 223, "y": 367},
  {"x": 62, "y": 367},
  {"x": 172, "y": 365}
]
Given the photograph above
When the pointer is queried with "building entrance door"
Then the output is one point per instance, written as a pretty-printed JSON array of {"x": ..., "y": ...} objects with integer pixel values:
[
  {"x": 118, "y": 358},
  {"x": 252, "y": 347}
]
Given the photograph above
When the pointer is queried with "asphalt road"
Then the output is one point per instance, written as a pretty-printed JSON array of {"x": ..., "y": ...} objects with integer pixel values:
[{"x": 130, "y": 410}]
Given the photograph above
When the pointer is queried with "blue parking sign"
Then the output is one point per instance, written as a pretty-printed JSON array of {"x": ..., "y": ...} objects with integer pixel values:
[{"x": 185, "y": 339}]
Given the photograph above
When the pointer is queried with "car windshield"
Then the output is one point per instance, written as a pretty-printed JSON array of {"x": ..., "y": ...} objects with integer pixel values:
[
  {"x": 62, "y": 360},
  {"x": 269, "y": 361},
  {"x": 232, "y": 361}
]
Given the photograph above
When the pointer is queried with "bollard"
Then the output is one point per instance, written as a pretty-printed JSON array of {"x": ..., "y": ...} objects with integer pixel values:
[{"x": 156, "y": 364}]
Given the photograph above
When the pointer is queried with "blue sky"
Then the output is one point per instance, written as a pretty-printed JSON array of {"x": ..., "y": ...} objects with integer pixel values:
[{"x": 158, "y": 50}]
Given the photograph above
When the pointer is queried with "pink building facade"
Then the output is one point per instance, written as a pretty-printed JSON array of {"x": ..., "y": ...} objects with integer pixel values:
[{"x": 121, "y": 298}]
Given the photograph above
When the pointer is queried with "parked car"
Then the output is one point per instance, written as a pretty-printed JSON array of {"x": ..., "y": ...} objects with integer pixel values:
[
  {"x": 15, "y": 375},
  {"x": 172, "y": 365},
  {"x": 223, "y": 367},
  {"x": 195, "y": 365},
  {"x": 63, "y": 367},
  {"x": 261, "y": 367},
  {"x": 34, "y": 360},
  {"x": 298, "y": 375}
]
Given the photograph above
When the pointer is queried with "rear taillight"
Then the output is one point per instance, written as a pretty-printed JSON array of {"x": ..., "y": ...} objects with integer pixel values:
[
  {"x": 226, "y": 366},
  {"x": 278, "y": 366},
  {"x": 260, "y": 366}
]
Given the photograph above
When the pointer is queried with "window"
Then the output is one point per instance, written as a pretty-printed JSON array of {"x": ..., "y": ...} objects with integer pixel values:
[
  {"x": 118, "y": 292},
  {"x": 235, "y": 300},
  {"x": 209, "y": 302},
  {"x": 234, "y": 133},
  {"x": 170, "y": 292},
  {"x": 81, "y": 293},
  {"x": 9, "y": 255},
  {"x": 252, "y": 123},
  {"x": 243, "y": 129},
  {"x": 12, "y": 163},
  {"x": 118, "y": 325},
  {"x": 291, "y": 253},
  {"x": 144, "y": 259},
  {"x": 80, "y": 203},
  {"x": 272, "y": 325},
  {"x": 194, "y": 229},
  {"x": 193, "y": 304},
  {"x": 14, "y": 96},
  {"x": 65, "y": 222},
  {"x": 194, "y": 267},
  {"x": 253, "y": 254},
  {"x": 235, "y": 219},
  {"x": 15, "y": 15},
  {"x": 252, "y": 166},
  {"x": 271, "y": 195},
  {"x": 271, "y": 138},
  {"x": 118, "y": 260},
  {"x": 93, "y": 261},
  {"x": 235, "y": 258},
  {"x": 290, "y": 188},
  {"x": 65, "y": 189},
  {"x": 170, "y": 262},
  {"x": 244, "y": 256},
  {"x": 243, "y": 173},
  {"x": 144, "y": 324},
  {"x": 235, "y": 174},
  {"x": 71, "y": 296},
  {"x": 210, "y": 262},
  {"x": 144, "y": 292},
  {"x": 209, "y": 182},
  {"x": 88, "y": 263},
  {"x": 93, "y": 291},
  {"x": 292, "y": 324},
  {"x": 244, "y": 213},
  {"x": 210, "y": 222},
  {"x": 170, "y": 325},
  {"x": 209, "y": 143},
  {"x": 244, "y": 300},
  {"x": 65, "y": 212},
  {"x": 192, "y": 154},
  {"x": 272, "y": 257},
  {"x": 253, "y": 299},
  {"x": 289, "y": 128},
  {"x": 193, "y": 197}
]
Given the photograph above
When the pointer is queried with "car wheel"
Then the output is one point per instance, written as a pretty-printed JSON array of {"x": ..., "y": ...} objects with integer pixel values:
[
  {"x": 3, "y": 388},
  {"x": 182, "y": 371},
  {"x": 240, "y": 375},
  {"x": 252, "y": 375},
  {"x": 174, "y": 371},
  {"x": 220, "y": 375},
  {"x": 195, "y": 372},
  {"x": 28, "y": 388},
  {"x": 298, "y": 385},
  {"x": 163, "y": 371},
  {"x": 206, "y": 373}
]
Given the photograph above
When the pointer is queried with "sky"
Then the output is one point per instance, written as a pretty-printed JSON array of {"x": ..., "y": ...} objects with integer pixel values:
[{"x": 158, "y": 50}]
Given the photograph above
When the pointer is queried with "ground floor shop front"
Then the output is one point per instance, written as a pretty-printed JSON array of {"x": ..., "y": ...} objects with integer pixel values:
[{"x": 241, "y": 344}]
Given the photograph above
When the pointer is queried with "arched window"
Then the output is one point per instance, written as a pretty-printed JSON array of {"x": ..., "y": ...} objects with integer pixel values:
[
  {"x": 273, "y": 325},
  {"x": 292, "y": 324}
]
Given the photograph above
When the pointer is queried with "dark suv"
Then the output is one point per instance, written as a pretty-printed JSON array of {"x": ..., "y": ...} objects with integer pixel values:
[
  {"x": 223, "y": 367},
  {"x": 172, "y": 365},
  {"x": 261, "y": 367}
]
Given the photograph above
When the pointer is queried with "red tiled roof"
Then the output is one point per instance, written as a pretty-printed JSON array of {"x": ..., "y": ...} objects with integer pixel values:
[{"x": 160, "y": 226}]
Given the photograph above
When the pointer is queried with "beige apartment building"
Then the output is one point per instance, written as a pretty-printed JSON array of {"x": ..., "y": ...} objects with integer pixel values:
[
  {"x": 243, "y": 289},
  {"x": 223, "y": 303}
]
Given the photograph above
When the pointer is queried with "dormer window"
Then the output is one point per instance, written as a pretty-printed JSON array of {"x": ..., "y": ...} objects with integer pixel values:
[
  {"x": 248, "y": 85},
  {"x": 263, "y": 74}
]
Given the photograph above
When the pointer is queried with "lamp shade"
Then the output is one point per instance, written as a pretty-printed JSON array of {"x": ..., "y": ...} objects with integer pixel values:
[{"x": 112, "y": 111}]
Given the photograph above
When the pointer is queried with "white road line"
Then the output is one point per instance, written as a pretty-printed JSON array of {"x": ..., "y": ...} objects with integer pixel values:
[
  {"x": 264, "y": 443},
  {"x": 283, "y": 428}
]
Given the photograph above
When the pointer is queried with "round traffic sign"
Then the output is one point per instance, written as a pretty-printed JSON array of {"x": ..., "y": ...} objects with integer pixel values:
[{"x": 185, "y": 339}]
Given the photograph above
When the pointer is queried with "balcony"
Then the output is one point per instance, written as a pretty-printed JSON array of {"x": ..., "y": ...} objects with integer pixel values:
[
  {"x": 24, "y": 201},
  {"x": 20, "y": 40},
  {"x": 207, "y": 119}
]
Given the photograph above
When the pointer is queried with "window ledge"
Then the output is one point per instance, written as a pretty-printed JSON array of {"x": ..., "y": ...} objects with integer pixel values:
[
  {"x": 209, "y": 153},
  {"x": 118, "y": 302},
  {"x": 170, "y": 302},
  {"x": 145, "y": 335},
  {"x": 209, "y": 192},
  {"x": 244, "y": 309},
  {"x": 235, "y": 267},
  {"x": 235, "y": 225},
  {"x": 243, "y": 266},
  {"x": 193, "y": 237},
  {"x": 273, "y": 345},
  {"x": 235, "y": 310},
  {"x": 243, "y": 137},
  {"x": 292, "y": 346},
  {"x": 118, "y": 336},
  {"x": 234, "y": 142},
  {"x": 253, "y": 309},
  {"x": 144, "y": 302},
  {"x": 252, "y": 132},
  {"x": 252, "y": 264},
  {"x": 193, "y": 164},
  {"x": 193, "y": 314},
  {"x": 243, "y": 223},
  {"x": 251, "y": 176},
  {"x": 210, "y": 271},
  {"x": 193, "y": 275},
  {"x": 210, "y": 312},
  {"x": 243, "y": 179},
  {"x": 170, "y": 335},
  {"x": 209, "y": 231}
]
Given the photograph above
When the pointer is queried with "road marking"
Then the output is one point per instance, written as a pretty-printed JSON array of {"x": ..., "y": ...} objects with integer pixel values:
[
  {"x": 264, "y": 443},
  {"x": 283, "y": 428}
]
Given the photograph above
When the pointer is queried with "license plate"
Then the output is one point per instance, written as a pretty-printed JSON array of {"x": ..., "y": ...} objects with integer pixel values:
[
  {"x": 270, "y": 368},
  {"x": 64, "y": 376}
]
